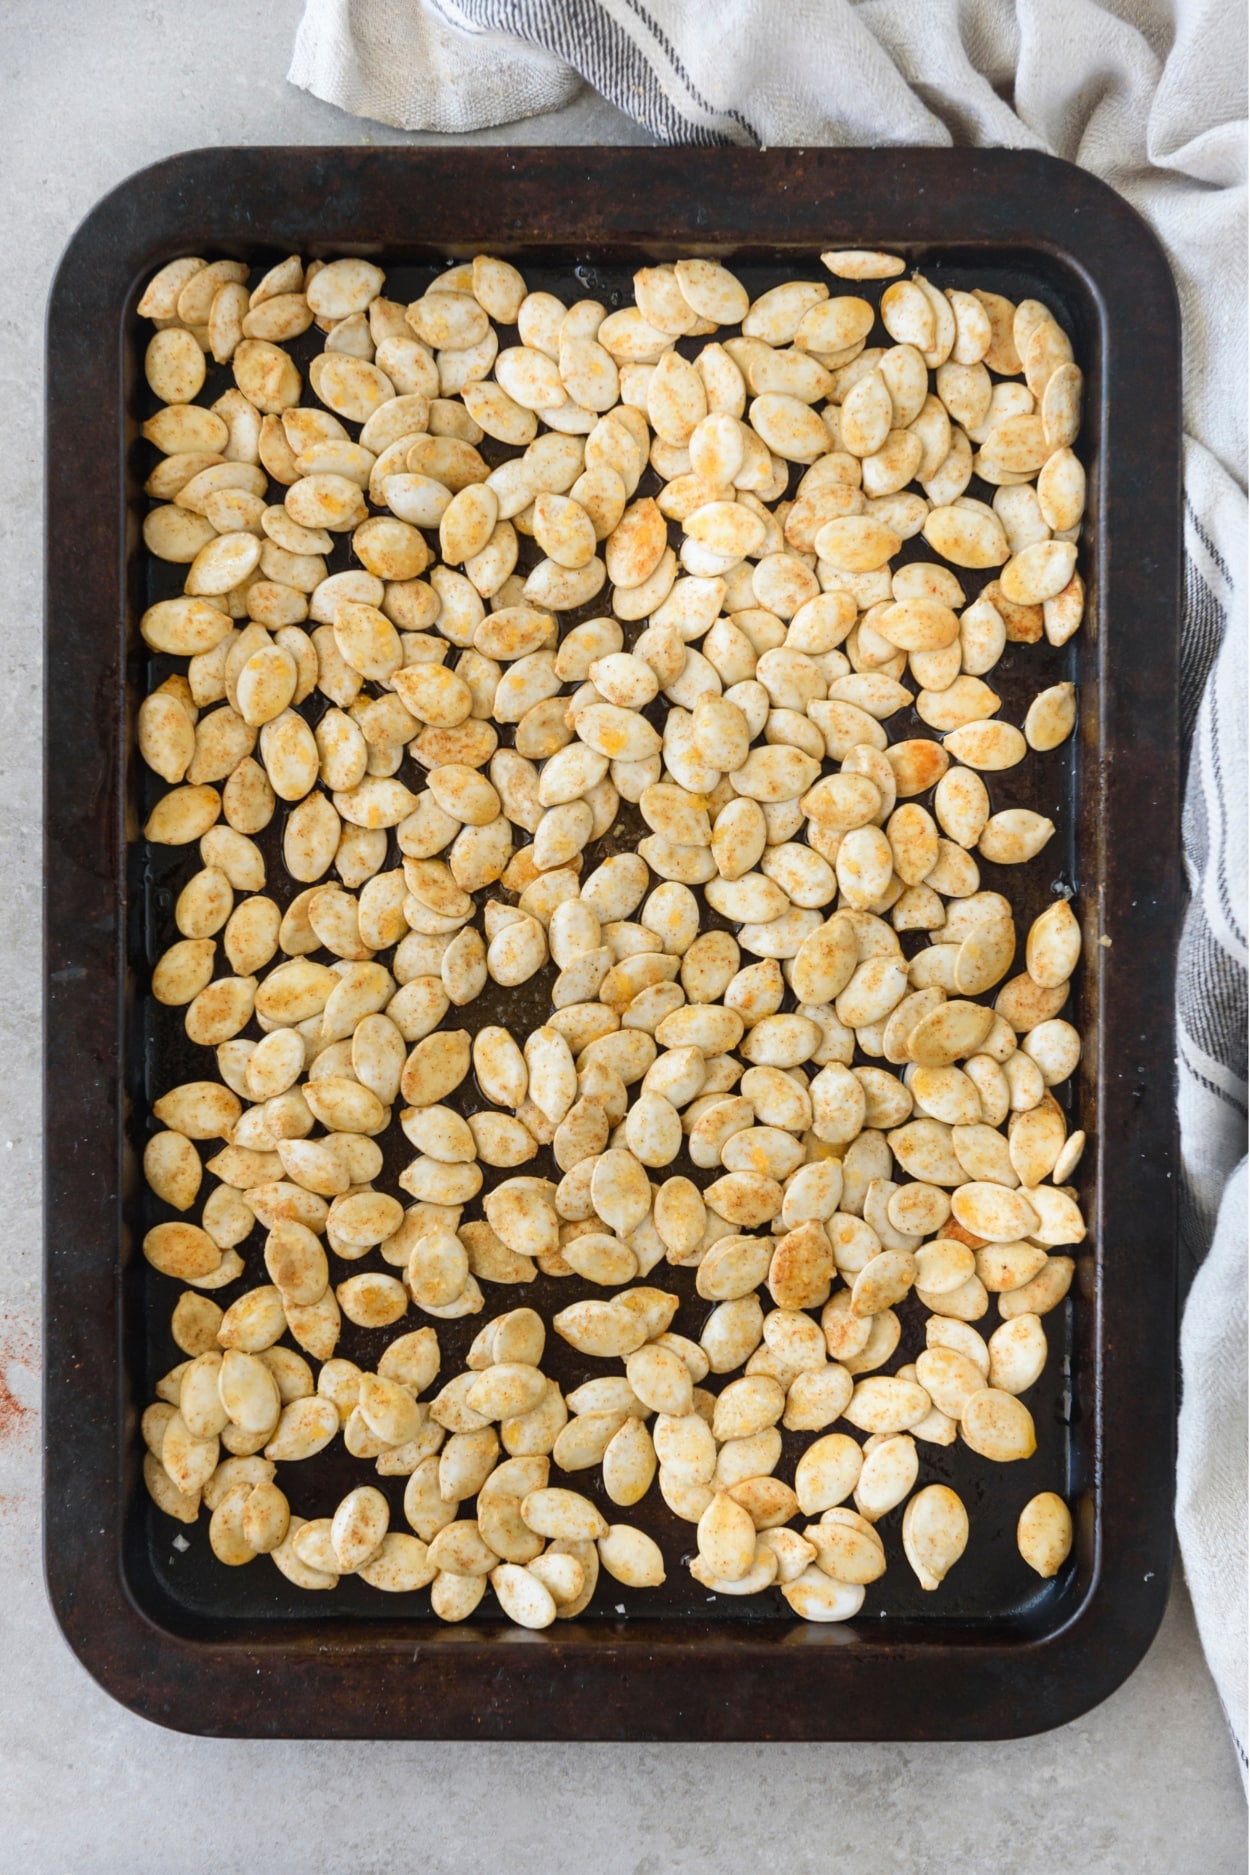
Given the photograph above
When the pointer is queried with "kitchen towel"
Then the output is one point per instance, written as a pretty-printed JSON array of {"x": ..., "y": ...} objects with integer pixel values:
[{"x": 1150, "y": 96}]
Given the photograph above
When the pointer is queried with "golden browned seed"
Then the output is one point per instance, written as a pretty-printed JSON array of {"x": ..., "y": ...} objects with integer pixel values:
[
  {"x": 1051, "y": 717},
  {"x": 1044, "y": 1533},
  {"x": 1053, "y": 948},
  {"x": 459, "y": 712},
  {"x": 998, "y": 1426}
]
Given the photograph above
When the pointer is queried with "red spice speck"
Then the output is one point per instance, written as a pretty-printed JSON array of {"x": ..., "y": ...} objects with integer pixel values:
[
  {"x": 17, "y": 1349},
  {"x": 12, "y": 1412}
]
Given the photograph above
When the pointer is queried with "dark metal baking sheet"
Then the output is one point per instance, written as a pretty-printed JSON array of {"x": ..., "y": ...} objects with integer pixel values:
[{"x": 997, "y": 1651}]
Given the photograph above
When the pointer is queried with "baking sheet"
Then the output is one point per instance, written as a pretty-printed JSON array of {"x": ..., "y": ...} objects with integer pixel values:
[{"x": 578, "y": 225}]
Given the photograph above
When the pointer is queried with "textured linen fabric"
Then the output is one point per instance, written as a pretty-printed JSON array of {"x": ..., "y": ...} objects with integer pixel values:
[{"x": 1150, "y": 96}]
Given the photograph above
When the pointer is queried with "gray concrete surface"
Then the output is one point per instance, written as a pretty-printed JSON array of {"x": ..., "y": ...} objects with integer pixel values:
[{"x": 91, "y": 90}]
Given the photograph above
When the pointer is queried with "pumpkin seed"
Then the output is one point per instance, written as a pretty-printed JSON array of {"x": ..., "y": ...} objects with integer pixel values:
[
  {"x": 1044, "y": 1532},
  {"x": 998, "y": 1426},
  {"x": 935, "y": 1533},
  {"x": 1051, "y": 717}
]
